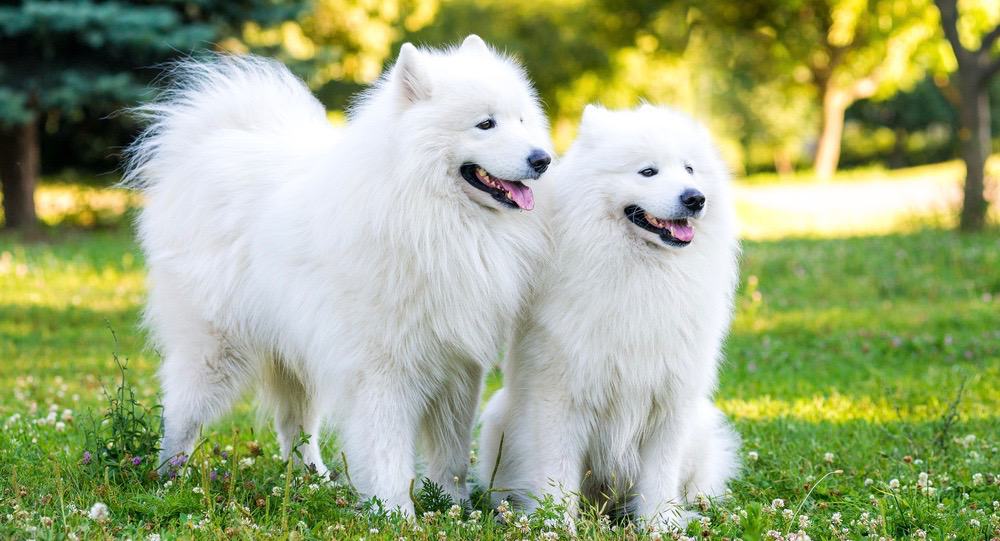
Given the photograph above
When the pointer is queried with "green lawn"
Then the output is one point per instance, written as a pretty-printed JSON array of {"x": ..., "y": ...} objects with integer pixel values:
[{"x": 854, "y": 366}]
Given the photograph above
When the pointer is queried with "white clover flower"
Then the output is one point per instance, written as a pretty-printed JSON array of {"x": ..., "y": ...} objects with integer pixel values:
[
  {"x": 974, "y": 523},
  {"x": 977, "y": 479},
  {"x": 836, "y": 519},
  {"x": 476, "y": 515},
  {"x": 752, "y": 456},
  {"x": 894, "y": 484},
  {"x": 868, "y": 482},
  {"x": 828, "y": 458},
  {"x": 153, "y": 537},
  {"x": 455, "y": 512},
  {"x": 777, "y": 503},
  {"x": 787, "y": 514},
  {"x": 60, "y": 426},
  {"x": 98, "y": 512},
  {"x": 246, "y": 462},
  {"x": 798, "y": 536},
  {"x": 373, "y": 531},
  {"x": 803, "y": 522}
]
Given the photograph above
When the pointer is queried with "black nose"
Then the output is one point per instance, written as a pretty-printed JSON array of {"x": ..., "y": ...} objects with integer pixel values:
[
  {"x": 539, "y": 160},
  {"x": 693, "y": 199}
]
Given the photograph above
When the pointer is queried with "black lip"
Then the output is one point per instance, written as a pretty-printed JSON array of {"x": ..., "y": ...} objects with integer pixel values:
[
  {"x": 468, "y": 172},
  {"x": 637, "y": 215}
]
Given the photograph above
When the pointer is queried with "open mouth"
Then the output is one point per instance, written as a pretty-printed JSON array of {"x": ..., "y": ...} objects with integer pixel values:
[
  {"x": 510, "y": 193},
  {"x": 676, "y": 232}
]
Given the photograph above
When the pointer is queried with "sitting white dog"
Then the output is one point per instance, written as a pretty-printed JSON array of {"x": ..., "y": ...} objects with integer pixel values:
[
  {"x": 370, "y": 273},
  {"x": 607, "y": 388}
]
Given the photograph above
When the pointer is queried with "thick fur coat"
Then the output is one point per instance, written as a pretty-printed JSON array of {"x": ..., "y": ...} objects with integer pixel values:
[
  {"x": 607, "y": 391},
  {"x": 354, "y": 274}
]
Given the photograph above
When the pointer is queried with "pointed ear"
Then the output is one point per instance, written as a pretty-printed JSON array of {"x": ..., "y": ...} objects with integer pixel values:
[
  {"x": 592, "y": 114},
  {"x": 409, "y": 76},
  {"x": 474, "y": 43}
]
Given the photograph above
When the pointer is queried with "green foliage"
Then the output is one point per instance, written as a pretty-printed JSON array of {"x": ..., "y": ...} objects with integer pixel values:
[
  {"x": 431, "y": 498},
  {"x": 88, "y": 54},
  {"x": 856, "y": 347},
  {"x": 125, "y": 439}
]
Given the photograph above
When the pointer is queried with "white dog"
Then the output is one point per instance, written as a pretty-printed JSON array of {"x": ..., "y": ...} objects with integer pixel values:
[
  {"x": 607, "y": 389},
  {"x": 370, "y": 273}
]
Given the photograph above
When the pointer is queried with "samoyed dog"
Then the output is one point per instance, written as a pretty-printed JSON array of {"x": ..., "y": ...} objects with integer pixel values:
[
  {"x": 364, "y": 275},
  {"x": 607, "y": 389}
]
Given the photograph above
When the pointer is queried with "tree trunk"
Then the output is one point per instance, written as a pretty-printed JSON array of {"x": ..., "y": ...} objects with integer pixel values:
[
  {"x": 783, "y": 162},
  {"x": 828, "y": 146},
  {"x": 19, "y": 164},
  {"x": 974, "y": 136},
  {"x": 897, "y": 159}
]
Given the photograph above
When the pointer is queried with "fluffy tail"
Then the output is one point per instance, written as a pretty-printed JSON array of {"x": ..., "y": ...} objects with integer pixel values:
[
  {"x": 233, "y": 106},
  {"x": 711, "y": 458}
]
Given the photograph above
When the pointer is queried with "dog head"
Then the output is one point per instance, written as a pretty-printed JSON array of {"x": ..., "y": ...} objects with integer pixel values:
[
  {"x": 654, "y": 169},
  {"x": 474, "y": 112}
]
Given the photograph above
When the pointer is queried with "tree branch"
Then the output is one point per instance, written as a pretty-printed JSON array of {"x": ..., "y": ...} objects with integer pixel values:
[
  {"x": 949, "y": 23},
  {"x": 989, "y": 39},
  {"x": 989, "y": 71}
]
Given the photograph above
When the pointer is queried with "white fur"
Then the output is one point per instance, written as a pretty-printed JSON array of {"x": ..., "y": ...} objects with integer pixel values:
[
  {"x": 608, "y": 386},
  {"x": 350, "y": 274}
]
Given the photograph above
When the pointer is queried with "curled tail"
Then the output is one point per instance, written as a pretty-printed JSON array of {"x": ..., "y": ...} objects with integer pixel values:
[{"x": 216, "y": 112}]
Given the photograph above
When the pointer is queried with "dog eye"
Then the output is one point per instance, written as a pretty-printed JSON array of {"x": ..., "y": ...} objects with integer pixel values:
[
  {"x": 487, "y": 124},
  {"x": 689, "y": 169},
  {"x": 648, "y": 172}
]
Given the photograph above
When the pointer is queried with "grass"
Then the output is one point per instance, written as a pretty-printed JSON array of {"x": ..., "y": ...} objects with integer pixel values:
[{"x": 862, "y": 374}]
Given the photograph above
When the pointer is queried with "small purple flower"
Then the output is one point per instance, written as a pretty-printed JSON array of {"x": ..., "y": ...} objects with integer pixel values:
[
  {"x": 178, "y": 460},
  {"x": 86, "y": 458},
  {"x": 225, "y": 455},
  {"x": 212, "y": 475},
  {"x": 136, "y": 460}
]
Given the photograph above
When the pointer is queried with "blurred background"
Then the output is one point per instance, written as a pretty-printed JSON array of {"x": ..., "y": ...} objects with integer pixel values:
[
  {"x": 866, "y": 334},
  {"x": 797, "y": 92}
]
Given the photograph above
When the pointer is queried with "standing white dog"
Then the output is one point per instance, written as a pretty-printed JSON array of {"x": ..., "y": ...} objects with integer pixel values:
[
  {"x": 607, "y": 389},
  {"x": 369, "y": 272}
]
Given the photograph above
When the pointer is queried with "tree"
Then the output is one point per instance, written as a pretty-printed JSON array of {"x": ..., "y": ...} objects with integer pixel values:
[
  {"x": 845, "y": 50},
  {"x": 71, "y": 55},
  {"x": 976, "y": 66}
]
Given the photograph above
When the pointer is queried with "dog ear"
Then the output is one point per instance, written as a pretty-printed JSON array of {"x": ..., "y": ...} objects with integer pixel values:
[
  {"x": 592, "y": 114},
  {"x": 474, "y": 43},
  {"x": 409, "y": 75}
]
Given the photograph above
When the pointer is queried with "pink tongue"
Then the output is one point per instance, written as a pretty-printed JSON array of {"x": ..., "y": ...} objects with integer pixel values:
[
  {"x": 681, "y": 232},
  {"x": 520, "y": 193}
]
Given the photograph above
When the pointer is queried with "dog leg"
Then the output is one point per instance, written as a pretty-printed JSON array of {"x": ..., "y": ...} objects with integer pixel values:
[
  {"x": 379, "y": 436},
  {"x": 295, "y": 412},
  {"x": 658, "y": 495},
  {"x": 559, "y": 467},
  {"x": 201, "y": 376},
  {"x": 447, "y": 431}
]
